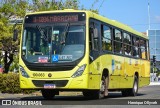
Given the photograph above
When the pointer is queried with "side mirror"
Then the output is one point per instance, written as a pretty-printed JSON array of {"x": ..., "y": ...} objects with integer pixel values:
[
  {"x": 15, "y": 34},
  {"x": 95, "y": 31}
]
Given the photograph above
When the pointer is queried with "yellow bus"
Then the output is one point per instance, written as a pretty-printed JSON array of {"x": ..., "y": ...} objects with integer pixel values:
[{"x": 78, "y": 50}]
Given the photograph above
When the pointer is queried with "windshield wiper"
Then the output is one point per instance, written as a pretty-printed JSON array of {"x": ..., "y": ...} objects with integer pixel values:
[
  {"x": 66, "y": 29},
  {"x": 42, "y": 33},
  {"x": 65, "y": 33}
]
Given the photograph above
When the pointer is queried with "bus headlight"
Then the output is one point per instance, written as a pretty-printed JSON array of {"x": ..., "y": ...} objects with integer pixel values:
[
  {"x": 23, "y": 72},
  {"x": 79, "y": 71}
]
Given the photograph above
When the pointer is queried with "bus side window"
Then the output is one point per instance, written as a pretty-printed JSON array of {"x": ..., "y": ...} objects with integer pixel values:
[
  {"x": 117, "y": 41},
  {"x": 143, "y": 49},
  {"x": 90, "y": 38},
  {"x": 94, "y": 40},
  {"x": 106, "y": 38},
  {"x": 127, "y": 44},
  {"x": 135, "y": 47}
]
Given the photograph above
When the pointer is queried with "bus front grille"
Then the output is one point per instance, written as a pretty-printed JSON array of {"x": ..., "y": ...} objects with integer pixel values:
[{"x": 58, "y": 83}]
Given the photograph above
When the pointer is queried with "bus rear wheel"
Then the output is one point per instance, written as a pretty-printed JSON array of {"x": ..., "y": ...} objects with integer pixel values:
[
  {"x": 133, "y": 91},
  {"x": 48, "y": 94}
]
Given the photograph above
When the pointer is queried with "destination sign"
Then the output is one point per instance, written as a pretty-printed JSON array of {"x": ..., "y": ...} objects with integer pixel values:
[
  {"x": 55, "y": 18},
  {"x": 48, "y": 19}
]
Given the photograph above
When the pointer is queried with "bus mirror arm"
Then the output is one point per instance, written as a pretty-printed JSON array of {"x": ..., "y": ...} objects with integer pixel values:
[
  {"x": 15, "y": 31},
  {"x": 91, "y": 57},
  {"x": 15, "y": 34}
]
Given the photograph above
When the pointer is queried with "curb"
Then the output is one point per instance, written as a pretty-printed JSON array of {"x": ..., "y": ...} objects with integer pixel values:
[{"x": 154, "y": 83}]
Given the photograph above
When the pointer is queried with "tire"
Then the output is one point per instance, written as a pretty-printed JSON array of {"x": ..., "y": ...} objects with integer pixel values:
[
  {"x": 48, "y": 94},
  {"x": 125, "y": 93},
  {"x": 88, "y": 94},
  {"x": 98, "y": 94},
  {"x": 133, "y": 91}
]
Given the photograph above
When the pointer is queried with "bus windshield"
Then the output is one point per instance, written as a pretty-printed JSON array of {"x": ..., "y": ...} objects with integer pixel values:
[{"x": 54, "y": 43}]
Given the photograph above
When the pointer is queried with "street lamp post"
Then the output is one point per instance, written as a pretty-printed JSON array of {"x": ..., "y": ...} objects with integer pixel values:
[{"x": 154, "y": 65}]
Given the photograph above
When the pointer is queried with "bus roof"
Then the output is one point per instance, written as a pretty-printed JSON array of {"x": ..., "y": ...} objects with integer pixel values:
[
  {"x": 98, "y": 17},
  {"x": 117, "y": 24}
]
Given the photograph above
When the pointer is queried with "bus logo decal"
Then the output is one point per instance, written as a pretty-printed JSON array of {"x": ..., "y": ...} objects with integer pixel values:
[
  {"x": 49, "y": 75},
  {"x": 113, "y": 66}
]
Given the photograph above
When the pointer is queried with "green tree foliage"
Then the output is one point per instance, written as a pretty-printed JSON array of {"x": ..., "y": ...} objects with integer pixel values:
[
  {"x": 9, "y": 9},
  {"x": 14, "y": 67},
  {"x": 45, "y": 5},
  {"x": 71, "y": 4}
]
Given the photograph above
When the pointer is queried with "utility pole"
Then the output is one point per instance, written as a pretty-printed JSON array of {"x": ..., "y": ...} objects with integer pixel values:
[{"x": 149, "y": 26}]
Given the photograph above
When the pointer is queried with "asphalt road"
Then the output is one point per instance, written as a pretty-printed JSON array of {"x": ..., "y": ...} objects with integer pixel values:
[{"x": 149, "y": 95}]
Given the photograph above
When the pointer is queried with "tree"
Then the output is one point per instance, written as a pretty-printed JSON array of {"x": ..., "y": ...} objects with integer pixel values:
[
  {"x": 6, "y": 43},
  {"x": 8, "y": 10},
  {"x": 45, "y": 5},
  {"x": 71, "y": 4}
]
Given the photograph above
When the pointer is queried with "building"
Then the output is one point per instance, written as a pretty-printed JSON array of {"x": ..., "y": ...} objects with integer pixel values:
[
  {"x": 154, "y": 37},
  {"x": 154, "y": 43}
]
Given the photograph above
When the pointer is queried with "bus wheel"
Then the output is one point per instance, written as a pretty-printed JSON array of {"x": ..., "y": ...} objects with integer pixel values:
[
  {"x": 134, "y": 90},
  {"x": 88, "y": 94},
  {"x": 99, "y": 94},
  {"x": 125, "y": 93},
  {"x": 48, "y": 94}
]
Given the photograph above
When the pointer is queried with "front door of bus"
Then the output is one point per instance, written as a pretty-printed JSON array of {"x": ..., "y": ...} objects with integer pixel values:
[{"x": 94, "y": 46}]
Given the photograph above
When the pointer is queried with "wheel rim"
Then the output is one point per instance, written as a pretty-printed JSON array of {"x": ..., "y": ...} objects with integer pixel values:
[
  {"x": 135, "y": 86},
  {"x": 102, "y": 88}
]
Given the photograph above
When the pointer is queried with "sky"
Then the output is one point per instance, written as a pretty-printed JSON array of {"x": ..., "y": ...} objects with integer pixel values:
[{"x": 130, "y": 12}]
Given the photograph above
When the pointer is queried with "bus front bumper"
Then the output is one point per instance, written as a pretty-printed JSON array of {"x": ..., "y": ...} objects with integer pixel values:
[{"x": 61, "y": 83}]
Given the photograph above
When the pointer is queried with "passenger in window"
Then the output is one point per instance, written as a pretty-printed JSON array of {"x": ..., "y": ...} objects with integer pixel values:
[
  {"x": 135, "y": 52},
  {"x": 118, "y": 36},
  {"x": 126, "y": 41},
  {"x": 117, "y": 47},
  {"x": 106, "y": 45},
  {"x": 127, "y": 50}
]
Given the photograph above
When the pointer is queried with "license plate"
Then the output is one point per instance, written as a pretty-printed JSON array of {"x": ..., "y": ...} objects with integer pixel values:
[{"x": 49, "y": 86}]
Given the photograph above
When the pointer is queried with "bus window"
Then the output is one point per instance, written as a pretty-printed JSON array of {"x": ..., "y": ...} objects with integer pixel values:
[
  {"x": 127, "y": 44},
  {"x": 94, "y": 44},
  {"x": 106, "y": 38},
  {"x": 143, "y": 49},
  {"x": 117, "y": 41},
  {"x": 135, "y": 47},
  {"x": 32, "y": 42},
  {"x": 94, "y": 40}
]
